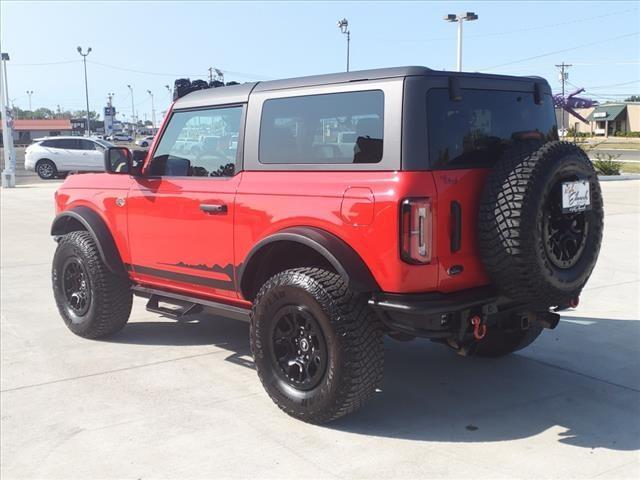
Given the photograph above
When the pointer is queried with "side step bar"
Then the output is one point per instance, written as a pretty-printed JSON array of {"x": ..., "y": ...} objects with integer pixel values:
[{"x": 185, "y": 304}]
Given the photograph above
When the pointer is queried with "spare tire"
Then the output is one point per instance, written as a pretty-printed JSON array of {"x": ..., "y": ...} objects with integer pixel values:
[{"x": 532, "y": 250}]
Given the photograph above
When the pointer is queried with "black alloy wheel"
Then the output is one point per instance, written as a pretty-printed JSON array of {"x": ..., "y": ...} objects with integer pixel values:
[
  {"x": 299, "y": 349},
  {"x": 76, "y": 287}
]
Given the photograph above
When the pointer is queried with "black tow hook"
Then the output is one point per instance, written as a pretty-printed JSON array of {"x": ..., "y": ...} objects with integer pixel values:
[{"x": 545, "y": 319}]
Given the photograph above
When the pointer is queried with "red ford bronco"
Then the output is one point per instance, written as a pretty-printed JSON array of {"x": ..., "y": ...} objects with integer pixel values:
[{"x": 331, "y": 210}]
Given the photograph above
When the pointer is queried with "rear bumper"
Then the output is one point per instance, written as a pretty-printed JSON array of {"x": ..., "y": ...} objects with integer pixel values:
[{"x": 445, "y": 315}]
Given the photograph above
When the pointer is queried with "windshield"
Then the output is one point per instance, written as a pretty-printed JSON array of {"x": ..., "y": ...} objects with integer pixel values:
[{"x": 474, "y": 131}]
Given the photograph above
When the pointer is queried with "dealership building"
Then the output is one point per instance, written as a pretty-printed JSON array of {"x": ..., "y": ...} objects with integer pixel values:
[
  {"x": 24, "y": 131},
  {"x": 605, "y": 119}
]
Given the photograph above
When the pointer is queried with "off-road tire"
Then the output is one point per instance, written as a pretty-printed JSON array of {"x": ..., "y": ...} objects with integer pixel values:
[
  {"x": 499, "y": 342},
  {"x": 353, "y": 337},
  {"x": 511, "y": 218},
  {"x": 46, "y": 169},
  {"x": 110, "y": 296}
]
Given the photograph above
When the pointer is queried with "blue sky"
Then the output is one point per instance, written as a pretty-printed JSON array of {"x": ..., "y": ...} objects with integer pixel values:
[{"x": 265, "y": 40}]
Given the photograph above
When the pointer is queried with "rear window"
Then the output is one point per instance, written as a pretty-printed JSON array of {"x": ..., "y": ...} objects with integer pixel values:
[
  {"x": 310, "y": 129},
  {"x": 473, "y": 132}
]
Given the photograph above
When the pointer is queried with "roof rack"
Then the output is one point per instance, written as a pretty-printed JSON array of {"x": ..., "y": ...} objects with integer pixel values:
[{"x": 184, "y": 86}]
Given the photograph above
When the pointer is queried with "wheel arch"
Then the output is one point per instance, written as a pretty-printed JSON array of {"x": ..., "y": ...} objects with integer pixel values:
[
  {"x": 321, "y": 244},
  {"x": 84, "y": 218}
]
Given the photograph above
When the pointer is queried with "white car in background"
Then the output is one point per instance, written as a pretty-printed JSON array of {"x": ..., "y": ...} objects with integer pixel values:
[
  {"x": 144, "y": 142},
  {"x": 52, "y": 157},
  {"x": 120, "y": 137}
]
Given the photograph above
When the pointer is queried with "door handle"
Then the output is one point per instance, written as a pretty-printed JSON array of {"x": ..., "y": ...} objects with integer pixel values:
[{"x": 214, "y": 209}]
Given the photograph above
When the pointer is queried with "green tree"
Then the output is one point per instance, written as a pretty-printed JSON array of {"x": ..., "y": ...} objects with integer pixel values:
[{"x": 633, "y": 98}]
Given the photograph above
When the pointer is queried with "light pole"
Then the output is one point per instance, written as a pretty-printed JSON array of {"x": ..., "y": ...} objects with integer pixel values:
[
  {"x": 468, "y": 16},
  {"x": 343, "y": 25},
  {"x": 86, "y": 85},
  {"x": 153, "y": 112},
  {"x": 133, "y": 111},
  {"x": 30, "y": 92},
  {"x": 170, "y": 93},
  {"x": 9, "y": 172}
]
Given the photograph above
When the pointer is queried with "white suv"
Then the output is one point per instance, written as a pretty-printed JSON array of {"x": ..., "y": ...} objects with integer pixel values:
[{"x": 55, "y": 156}]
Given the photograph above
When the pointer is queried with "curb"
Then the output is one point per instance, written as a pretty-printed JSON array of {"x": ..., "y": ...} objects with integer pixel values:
[{"x": 619, "y": 178}]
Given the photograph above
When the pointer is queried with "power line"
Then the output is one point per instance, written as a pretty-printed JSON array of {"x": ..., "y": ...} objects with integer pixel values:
[
  {"x": 615, "y": 84},
  {"x": 537, "y": 27},
  {"x": 551, "y": 25},
  {"x": 175, "y": 75},
  {"x": 560, "y": 51},
  {"x": 44, "y": 64}
]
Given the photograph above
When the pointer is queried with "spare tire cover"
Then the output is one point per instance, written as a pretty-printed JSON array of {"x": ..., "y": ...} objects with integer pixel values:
[{"x": 535, "y": 248}]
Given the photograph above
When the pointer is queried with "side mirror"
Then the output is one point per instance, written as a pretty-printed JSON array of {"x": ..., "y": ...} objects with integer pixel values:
[{"x": 118, "y": 160}]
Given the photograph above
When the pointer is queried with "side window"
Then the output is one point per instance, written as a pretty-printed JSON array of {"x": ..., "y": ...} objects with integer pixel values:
[
  {"x": 68, "y": 143},
  {"x": 199, "y": 143},
  {"x": 87, "y": 145},
  {"x": 50, "y": 143},
  {"x": 330, "y": 128}
]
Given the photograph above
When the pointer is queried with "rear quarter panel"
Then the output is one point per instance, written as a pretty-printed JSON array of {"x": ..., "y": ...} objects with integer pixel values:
[{"x": 268, "y": 202}]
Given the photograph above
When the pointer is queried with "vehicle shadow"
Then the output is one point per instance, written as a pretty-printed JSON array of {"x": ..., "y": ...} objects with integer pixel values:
[
  {"x": 577, "y": 380},
  {"x": 200, "y": 329}
]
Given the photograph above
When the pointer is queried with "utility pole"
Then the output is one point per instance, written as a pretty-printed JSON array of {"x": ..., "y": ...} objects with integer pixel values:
[
  {"x": 133, "y": 111},
  {"x": 153, "y": 112},
  {"x": 564, "y": 76},
  {"x": 9, "y": 172},
  {"x": 86, "y": 85},
  {"x": 30, "y": 92},
  {"x": 343, "y": 25},
  {"x": 210, "y": 75}
]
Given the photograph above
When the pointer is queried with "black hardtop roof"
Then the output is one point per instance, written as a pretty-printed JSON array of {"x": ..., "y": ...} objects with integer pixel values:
[{"x": 240, "y": 93}]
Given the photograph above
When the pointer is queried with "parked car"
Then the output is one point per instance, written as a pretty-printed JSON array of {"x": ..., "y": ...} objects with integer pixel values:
[
  {"x": 120, "y": 137},
  {"x": 457, "y": 216},
  {"x": 52, "y": 157},
  {"x": 144, "y": 142}
]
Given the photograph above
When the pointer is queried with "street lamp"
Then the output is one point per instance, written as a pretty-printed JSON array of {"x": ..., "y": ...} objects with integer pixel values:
[
  {"x": 30, "y": 92},
  {"x": 170, "y": 93},
  {"x": 153, "y": 112},
  {"x": 343, "y": 25},
  {"x": 468, "y": 16},
  {"x": 86, "y": 85}
]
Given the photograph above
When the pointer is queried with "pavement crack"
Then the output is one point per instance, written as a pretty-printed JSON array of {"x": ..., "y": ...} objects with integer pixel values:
[
  {"x": 106, "y": 372},
  {"x": 585, "y": 375}
]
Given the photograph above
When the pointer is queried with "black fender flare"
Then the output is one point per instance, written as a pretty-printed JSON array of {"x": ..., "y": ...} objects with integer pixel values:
[
  {"x": 342, "y": 257},
  {"x": 96, "y": 226}
]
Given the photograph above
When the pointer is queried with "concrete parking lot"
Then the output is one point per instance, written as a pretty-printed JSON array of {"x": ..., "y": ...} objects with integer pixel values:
[{"x": 164, "y": 399}]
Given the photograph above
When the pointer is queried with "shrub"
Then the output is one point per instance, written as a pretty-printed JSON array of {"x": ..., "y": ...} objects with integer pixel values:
[
  {"x": 627, "y": 134},
  {"x": 607, "y": 166}
]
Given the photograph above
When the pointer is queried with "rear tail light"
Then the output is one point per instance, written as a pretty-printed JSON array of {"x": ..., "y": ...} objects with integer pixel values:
[{"x": 415, "y": 230}]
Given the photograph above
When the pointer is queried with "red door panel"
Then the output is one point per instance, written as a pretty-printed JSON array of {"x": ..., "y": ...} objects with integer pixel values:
[{"x": 181, "y": 233}]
